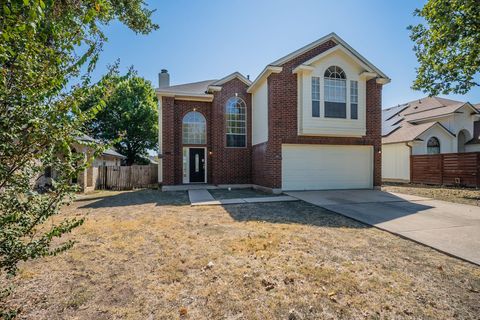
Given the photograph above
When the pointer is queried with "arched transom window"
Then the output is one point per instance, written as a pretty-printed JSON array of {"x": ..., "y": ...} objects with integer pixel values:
[
  {"x": 335, "y": 93},
  {"x": 194, "y": 128},
  {"x": 433, "y": 146},
  {"x": 236, "y": 122}
]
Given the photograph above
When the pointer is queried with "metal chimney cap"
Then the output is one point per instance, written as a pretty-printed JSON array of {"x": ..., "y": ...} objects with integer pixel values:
[{"x": 164, "y": 71}]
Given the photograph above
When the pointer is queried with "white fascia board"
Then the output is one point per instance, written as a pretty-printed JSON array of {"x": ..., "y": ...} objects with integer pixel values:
[
  {"x": 332, "y": 36},
  {"x": 262, "y": 76},
  {"x": 232, "y": 76},
  {"x": 303, "y": 68},
  {"x": 189, "y": 96},
  {"x": 214, "y": 88}
]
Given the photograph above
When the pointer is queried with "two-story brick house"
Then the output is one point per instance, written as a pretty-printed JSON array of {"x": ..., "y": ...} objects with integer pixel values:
[{"x": 311, "y": 120}]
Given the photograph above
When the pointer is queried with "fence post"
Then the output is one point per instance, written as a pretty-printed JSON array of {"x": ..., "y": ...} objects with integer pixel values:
[{"x": 441, "y": 168}]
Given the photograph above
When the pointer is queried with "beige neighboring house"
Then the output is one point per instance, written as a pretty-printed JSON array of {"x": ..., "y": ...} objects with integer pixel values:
[
  {"x": 430, "y": 125},
  {"x": 86, "y": 179}
]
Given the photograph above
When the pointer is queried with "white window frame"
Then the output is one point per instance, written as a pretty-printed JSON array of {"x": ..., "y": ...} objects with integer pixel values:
[
  {"x": 244, "y": 121},
  {"x": 183, "y": 129}
]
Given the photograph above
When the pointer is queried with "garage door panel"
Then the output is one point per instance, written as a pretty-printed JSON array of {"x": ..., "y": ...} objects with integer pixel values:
[{"x": 313, "y": 167}]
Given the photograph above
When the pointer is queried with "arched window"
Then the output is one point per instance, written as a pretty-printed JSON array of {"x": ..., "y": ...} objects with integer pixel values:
[
  {"x": 335, "y": 93},
  {"x": 236, "y": 117},
  {"x": 194, "y": 128},
  {"x": 433, "y": 146}
]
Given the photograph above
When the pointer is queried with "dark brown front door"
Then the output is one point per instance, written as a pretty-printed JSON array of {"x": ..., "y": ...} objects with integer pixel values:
[{"x": 197, "y": 164}]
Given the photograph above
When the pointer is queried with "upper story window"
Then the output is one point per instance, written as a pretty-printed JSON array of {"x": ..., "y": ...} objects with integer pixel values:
[
  {"x": 315, "y": 97},
  {"x": 236, "y": 118},
  {"x": 433, "y": 146},
  {"x": 194, "y": 128},
  {"x": 335, "y": 93},
  {"x": 353, "y": 99}
]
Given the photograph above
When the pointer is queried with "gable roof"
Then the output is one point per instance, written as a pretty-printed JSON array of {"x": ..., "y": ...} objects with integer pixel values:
[
  {"x": 232, "y": 76},
  {"x": 407, "y": 121},
  {"x": 331, "y": 36},
  {"x": 409, "y": 132}
]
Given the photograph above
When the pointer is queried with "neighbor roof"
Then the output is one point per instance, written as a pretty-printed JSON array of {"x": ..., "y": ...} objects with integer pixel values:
[
  {"x": 404, "y": 122},
  {"x": 114, "y": 153},
  {"x": 409, "y": 132}
]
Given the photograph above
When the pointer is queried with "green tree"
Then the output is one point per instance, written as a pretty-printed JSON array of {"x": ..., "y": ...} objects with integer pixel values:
[
  {"x": 447, "y": 46},
  {"x": 129, "y": 116},
  {"x": 44, "y": 46}
]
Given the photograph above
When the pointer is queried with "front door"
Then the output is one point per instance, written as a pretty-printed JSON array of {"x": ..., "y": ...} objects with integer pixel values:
[{"x": 197, "y": 164}]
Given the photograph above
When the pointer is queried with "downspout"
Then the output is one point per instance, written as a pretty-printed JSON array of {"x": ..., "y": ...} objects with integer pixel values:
[{"x": 410, "y": 159}]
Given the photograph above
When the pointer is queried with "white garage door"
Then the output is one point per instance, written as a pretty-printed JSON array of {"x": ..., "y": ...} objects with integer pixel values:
[{"x": 314, "y": 167}]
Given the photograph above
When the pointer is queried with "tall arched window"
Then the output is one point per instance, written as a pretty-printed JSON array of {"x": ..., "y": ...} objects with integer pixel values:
[
  {"x": 433, "y": 146},
  {"x": 335, "y": 93},
  {"x": 236, "y": 118},
  {"x": 194, "y": 128}
]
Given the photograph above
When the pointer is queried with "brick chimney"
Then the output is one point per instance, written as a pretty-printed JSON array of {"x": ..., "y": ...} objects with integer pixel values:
[{"x": 163, "y": 79}]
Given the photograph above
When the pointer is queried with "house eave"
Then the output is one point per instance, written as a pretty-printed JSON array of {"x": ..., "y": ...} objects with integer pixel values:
[
  {"x": 188, "y": 96},
  {"x": 262, "y": 76}
]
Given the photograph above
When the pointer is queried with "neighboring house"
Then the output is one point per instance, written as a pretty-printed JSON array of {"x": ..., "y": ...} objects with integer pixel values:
[
  {"x": 427, "y": 126},
  {"x": 310, "y": 120},
  {"x": 86, "y": 179}
]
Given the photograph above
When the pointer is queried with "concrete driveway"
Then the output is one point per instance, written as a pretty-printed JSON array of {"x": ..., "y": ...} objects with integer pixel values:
[{"x": 448, "y": 227}]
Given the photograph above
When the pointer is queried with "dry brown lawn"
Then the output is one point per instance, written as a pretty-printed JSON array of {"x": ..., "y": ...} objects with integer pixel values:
[
  {"x": 149, "y": 255},
  {"x": 452, "y": 194}
]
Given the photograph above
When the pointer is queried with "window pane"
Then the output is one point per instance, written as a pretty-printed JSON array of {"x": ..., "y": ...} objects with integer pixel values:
[
  {"x": 335, "y": 110},
  {"x": 354, "y": 111},
  {"x": 236, "y": 124},
  {"x": 194, "y": 128},
  {"x": 235, "y": 140},
  {"x": 315, "y": 108}
]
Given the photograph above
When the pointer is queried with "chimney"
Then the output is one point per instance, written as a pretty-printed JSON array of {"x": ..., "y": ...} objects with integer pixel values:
[{"x": 163, "y": 79}]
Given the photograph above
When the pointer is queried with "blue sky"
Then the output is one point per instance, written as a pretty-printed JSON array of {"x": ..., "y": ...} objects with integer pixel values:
[{"x": 200, "y": 40}]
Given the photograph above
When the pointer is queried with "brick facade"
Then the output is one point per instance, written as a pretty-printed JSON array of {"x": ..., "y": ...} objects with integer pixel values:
[
  {"x": 259, "y": 164},
  {"x": 282, "y": 122},
  {"x": 224, "y": 165}
]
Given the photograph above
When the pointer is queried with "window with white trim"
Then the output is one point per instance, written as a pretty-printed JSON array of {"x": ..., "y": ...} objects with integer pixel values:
[
  {"x": 315, "y": 97},
  {"x": 335, "y": 93},
  {"x": 236, "y": 122},
  {"x": 353, "y": 99},
  {"x": 194, "y": 128}
]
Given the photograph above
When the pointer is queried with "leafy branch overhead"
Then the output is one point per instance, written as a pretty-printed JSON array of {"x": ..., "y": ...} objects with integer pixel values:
[
  {"x": 447, "y": 46},
  {"x": 44, "y": 47}
]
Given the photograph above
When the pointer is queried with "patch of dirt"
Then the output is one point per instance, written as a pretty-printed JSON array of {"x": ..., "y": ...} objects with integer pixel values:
[
  {"x": 458, "y": 195},
  {"x": 150, "y": 255}
]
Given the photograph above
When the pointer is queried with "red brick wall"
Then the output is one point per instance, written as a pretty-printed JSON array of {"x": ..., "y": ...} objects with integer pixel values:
[
  {"x": 173, "y": 113},
  {"x": 282, "y": 121},
  {"x": 224, "y": 165},
  {"x": 230, "y": 165}
]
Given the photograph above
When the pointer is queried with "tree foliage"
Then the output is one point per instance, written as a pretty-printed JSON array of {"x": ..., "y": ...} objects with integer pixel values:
[
  {"x": 44, "y": 46},
  {"x": 129, "y": 116},
  {"x": 447, "y": 46}
]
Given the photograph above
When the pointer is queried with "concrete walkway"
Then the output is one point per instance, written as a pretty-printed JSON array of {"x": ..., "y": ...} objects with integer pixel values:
[
  {"x": 448, "y": 227},
  {"x": 204, "y": 198},
  {"x": 197, "y": 196}
]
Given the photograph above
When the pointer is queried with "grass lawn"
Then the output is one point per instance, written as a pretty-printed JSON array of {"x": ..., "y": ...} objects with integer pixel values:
[
  {"x": 150, "y": 255},
  {"x": 221, "y": 194},
  {"x": 458, "y": 195}
]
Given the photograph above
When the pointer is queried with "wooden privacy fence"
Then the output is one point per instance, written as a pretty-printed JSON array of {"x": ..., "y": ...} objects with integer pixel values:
[
  {"x": 462, "y": 169},
  {"x": 126, "y": 178}
]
